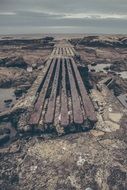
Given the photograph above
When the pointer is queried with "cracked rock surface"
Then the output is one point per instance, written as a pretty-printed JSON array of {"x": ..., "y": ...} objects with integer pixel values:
[{"x": 93, "y": 160}]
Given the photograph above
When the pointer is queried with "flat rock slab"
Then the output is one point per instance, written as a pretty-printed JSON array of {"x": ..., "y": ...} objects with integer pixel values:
[
  {"x": 75, "y": 161},
  {"x": 115, "y": 117}
]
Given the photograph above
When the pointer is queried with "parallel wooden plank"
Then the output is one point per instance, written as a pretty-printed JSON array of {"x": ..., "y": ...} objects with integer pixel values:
[
  {"x": 77, "y": 112},
  {"x": 64, "y": 52},
  {"x": 35, "y": 117},
  {"x": 53, "y": 52},
  {"x": 60, "y": 51},
  {"x": 57, "y": 51},
  {"x": 64, "y": 109},
  {"x": 49, "y": 116},
  {"x": 68, "y": 53},
  {"x": 88, "y": 106},
  {"x": 71, "y": 51}
]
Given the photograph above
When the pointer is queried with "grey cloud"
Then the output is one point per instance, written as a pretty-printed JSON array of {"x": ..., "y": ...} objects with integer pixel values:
[
  {"x": 65, "y": 5},
  {"x": 31, "y": 15}
]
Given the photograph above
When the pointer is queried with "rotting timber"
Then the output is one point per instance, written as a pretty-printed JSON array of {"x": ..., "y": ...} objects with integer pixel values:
[{"x": 62, "y": 81}]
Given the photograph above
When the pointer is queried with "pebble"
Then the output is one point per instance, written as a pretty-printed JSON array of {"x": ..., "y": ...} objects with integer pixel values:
[{"x": 88, "y": 188}]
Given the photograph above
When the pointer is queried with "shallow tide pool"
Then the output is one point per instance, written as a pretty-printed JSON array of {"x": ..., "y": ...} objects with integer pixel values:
[{"x": 6, "y": 94}]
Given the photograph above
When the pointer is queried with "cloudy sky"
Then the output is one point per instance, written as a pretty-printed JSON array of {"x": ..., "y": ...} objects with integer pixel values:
[{"x": 63, "y": 16}]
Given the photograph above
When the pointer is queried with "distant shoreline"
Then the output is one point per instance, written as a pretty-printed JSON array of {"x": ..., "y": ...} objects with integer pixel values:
[{"x": 55, "y": 35}]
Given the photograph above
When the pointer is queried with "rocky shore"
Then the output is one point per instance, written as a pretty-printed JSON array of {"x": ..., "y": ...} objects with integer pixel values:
[
  {"x": 19, "y": 67},
  {"x": 90, "y": 160}
]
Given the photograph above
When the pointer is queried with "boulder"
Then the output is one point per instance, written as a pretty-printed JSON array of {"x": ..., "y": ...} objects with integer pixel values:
[{"x": 16, "y": 62}]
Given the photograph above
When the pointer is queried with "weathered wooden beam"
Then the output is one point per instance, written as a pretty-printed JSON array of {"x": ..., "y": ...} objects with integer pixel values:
[
  {"x": 71, "y": 51},
  {"x": 88, "y": 106},
  {"x": 53, "y": 52},
  {"x": 49, "y": 116},
  {"x": 77, "y": 112},
  {"x": 35, "y": 117},
  {"x": 57, "y": 51},
  {"x": 67, "y": 50},
  {"x": 64, "y": 52},
  {"x": 64, "y": 108}
]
